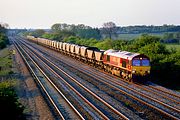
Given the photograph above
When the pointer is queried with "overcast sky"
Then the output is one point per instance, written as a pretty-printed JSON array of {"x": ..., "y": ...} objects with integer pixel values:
[{"x": 44, "y": 13}]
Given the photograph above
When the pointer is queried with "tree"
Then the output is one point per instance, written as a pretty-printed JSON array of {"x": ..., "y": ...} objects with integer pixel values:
[
  {"x": 3, "y": 36},
  {"x": 144, "y": 40},
  {"x": 110, "y": 29},
  {"x": 11, "y": 108},
  {"x": 38, "y": 33},
  {"x": 120, "y": 45},
  {"x": 3, "y": 28},
  {"x": 177, "y": 36},
  {"x": 105, "y": 44},
  {"x": 88, "y": 33},
  {"x": 79, "y": 30},
  {"x": 61, "y": 27}
]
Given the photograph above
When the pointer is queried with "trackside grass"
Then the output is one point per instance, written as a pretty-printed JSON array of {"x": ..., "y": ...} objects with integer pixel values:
[
  {"x": 174, "y": 46},
  {"x": 5, "y": 62},
  {"x": 11, "y": 108}
]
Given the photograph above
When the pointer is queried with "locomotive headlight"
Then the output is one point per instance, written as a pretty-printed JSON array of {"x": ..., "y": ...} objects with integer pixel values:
[
  {"x": 148, "y": 71},
  {"x": 133, "y": 71}
]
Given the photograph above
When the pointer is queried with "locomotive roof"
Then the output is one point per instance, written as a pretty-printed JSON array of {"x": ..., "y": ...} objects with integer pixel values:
[{"x": 121, "y": 54}]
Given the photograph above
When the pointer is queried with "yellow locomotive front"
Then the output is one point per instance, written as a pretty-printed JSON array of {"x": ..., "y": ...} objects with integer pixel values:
[{"x": 140, "y": 68}]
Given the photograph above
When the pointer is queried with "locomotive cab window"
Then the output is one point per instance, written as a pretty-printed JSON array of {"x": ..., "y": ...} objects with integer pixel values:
[
  {"x": 145, "y": 63},
  {"x": 136, "y": 62}
]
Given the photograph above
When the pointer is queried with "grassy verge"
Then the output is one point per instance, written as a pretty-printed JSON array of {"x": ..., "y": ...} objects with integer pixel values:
[
  {"x": 10, "y": 107},
  {"x": 5, "y": 62}
]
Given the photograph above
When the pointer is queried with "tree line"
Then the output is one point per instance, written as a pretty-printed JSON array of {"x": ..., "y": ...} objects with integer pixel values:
[
  {"x": 59, "y": 31},
  {"x": 148, "y": 29},
  {"x": 3, "y": 37},
  {"x": 173, "y": 38}
]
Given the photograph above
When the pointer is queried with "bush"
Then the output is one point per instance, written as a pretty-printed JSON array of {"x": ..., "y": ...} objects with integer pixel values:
[
  {"x": 10, "y": 108},
  {"x": 165, "y": 64},
  {"x": 11, "y": 72}
]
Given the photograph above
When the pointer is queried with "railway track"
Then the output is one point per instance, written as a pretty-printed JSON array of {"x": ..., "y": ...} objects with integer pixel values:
[
  {"x": 149, "y": 87},
  {"x": 172, "y": 98},
  {"x": 105, "y": 107},
  {"x": 117, "y": 83},
  {"x": 62, "y": 106},
  {"x": 110, "y": 81},
  {"x": 163, "y": 91}
]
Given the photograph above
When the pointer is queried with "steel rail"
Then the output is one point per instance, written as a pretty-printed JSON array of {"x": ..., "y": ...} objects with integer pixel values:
[
  {"x": 76, "y": 111},
  {"x": 93, "y": 94}
]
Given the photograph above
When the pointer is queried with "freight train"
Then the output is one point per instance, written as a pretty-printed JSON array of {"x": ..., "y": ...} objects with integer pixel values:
[{"x": 127, "y": 65}]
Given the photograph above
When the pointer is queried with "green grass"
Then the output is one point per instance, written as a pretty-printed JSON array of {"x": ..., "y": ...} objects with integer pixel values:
[
  {"x": 128, "y": 36},
  {"x": 134, "y": 36},
  {"x": 5, "y": 62},
  {"x": 8, "y": 84},
  {"x": 170, "y": 46},
  {"x": 11, "y": 108}
]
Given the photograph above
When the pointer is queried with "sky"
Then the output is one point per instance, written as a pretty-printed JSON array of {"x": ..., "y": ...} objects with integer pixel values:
[{"x": 45, "y": 13}]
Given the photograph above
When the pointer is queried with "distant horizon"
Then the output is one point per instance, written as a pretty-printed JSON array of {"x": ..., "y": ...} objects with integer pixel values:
[{"x": 101, "y": 26}]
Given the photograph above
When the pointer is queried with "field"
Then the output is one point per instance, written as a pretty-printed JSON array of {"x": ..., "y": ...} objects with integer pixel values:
[
  {"x": 134, "y": 36},
  {"x": 177, "y": 47}
]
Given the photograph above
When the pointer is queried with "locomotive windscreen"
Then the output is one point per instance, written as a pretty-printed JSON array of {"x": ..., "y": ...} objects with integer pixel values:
[
  {"x": 136, "y": 62},
  {"x": 145, "y": 63},
  {"x": 141, "y": 62}
]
